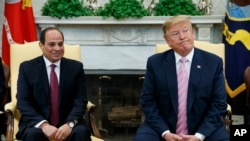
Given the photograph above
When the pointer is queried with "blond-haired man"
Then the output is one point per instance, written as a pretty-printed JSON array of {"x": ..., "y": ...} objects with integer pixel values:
[{"x": 204, "y": 101}]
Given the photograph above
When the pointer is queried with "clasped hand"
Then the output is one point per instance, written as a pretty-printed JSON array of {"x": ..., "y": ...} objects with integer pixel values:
[
  {"x": 181, "y": 137},
  {"x": 56, "y": 134}
]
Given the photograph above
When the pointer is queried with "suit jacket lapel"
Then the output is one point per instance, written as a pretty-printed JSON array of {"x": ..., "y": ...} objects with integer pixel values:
[
  {"x": 63, "y": 73},
  {"x": 195, "y": 76},
  {"x": 172, "y": 79},
  {"x": 43, "y": 77}
]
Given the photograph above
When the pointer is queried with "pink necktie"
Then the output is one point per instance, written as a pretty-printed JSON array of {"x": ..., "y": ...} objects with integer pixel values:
[
  {"x": 54, "y": 115},
  {"x": 182, "y": 75}
]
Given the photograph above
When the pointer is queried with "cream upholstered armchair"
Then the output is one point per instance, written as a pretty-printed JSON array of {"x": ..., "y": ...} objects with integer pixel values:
[
  {"x": 218, "y": 49},
  {"x": 22, "y": 52}
]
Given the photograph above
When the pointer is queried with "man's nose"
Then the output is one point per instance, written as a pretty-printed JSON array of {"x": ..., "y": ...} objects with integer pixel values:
[
  {"x": 182, "y": 35},
  {"x": 57, "y": 47}
]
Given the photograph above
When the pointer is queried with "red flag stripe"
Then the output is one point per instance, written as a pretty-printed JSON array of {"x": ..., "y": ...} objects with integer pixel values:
[{"x": 19, "y": 25}]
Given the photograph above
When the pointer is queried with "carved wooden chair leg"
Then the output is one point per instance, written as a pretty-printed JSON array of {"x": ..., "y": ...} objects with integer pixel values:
[
  {"x": 92, "y": 121},
  {"x": 228, "y": 119},
  {"x": 10, "y": 126}
]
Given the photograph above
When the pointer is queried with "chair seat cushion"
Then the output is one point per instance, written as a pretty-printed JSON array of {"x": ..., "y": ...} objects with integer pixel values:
[{"x": 93, "y": 138}]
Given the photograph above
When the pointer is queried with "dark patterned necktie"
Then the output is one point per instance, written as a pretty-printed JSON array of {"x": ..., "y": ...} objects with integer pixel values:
[{"x": 54, "y": 114}]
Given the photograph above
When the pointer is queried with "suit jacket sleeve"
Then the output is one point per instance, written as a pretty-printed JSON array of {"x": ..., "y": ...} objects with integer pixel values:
[
  {"x": 2, "y": 83},
  {"x": 32, "y": 93},
  {"x": 151, "y": 105},
  {"x": 72, "y": 90}
]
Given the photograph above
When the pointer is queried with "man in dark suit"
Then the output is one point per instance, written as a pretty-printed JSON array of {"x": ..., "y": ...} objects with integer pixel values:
[
  {"x": 205, "y": 94},
  {"x": 2, "y": 96},
  {"x": 2, "y": 85},
  {"x": 33, "y": 94}
]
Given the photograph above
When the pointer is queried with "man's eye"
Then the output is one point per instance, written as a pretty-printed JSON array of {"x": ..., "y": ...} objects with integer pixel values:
[
  {"x": 60, "y": 44},
  {"x": 52, "y": 44},
  {"x": 175, "y": 33}
]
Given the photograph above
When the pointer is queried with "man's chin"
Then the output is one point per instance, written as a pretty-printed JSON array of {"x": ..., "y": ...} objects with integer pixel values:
[{"x": 56, "y": 58}]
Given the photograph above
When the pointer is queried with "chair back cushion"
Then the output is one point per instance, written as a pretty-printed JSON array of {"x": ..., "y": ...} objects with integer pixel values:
[{"x": 217, "y": 49}]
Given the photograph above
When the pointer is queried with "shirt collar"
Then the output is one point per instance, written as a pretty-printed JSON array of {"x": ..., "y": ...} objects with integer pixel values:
[
  {"x": 189, "y": 56},
  {"x": 48, "y": 63}
]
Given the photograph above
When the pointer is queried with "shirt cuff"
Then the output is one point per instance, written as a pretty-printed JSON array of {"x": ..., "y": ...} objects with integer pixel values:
[
  {"x": 200, "y": 136},
  {"x": 40, "y": 123},
  {"x": 165, "y": 132}
]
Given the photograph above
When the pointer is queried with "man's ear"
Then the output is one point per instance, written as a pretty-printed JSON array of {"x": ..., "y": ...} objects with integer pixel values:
[
  {"x": 165, "y": 37},
  {"x": 41, "y": 45}
]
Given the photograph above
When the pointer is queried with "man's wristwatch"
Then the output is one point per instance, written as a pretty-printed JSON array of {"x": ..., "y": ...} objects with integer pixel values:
[{"x": 71, "y": 124}]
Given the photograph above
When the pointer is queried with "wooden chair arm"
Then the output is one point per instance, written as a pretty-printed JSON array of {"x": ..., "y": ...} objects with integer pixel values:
[
  {"x": 10, "y": 125},
  {"x": 92, "y": 120},
  {"x": 11, "y": 107},
  {"x": 228, "y": 118},
  {"x": 90, "y": 106}
]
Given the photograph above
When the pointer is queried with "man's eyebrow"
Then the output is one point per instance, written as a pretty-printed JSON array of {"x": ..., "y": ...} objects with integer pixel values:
[{"x": 55, "y": 42}]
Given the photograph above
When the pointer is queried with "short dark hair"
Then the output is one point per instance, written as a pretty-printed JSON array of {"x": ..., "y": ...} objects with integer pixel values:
[{"x": 43, "y": 32}]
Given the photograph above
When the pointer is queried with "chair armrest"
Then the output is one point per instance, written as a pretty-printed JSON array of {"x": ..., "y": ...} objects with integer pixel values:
[
  {"x": 92, "y": 120},
  {"x": 228, "y": 118},
  {"x": 11, "y": 106},
  {"x": 10, "y": 125},
  {"x": 93, "y": 138},
  {"x": 90, "y": 106}
]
